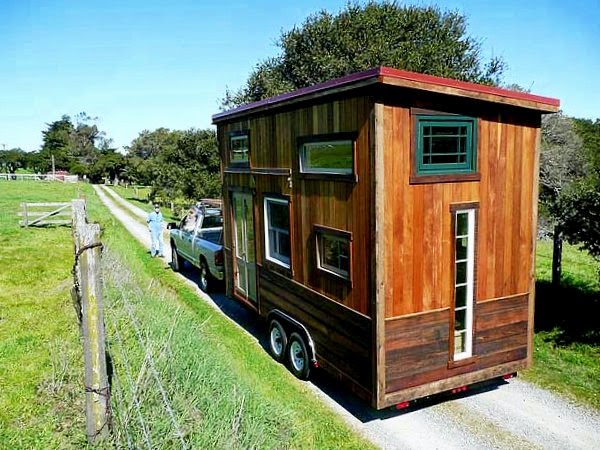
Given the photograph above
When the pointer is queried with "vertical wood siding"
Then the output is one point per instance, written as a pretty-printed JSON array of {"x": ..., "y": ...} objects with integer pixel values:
[
  {"x": 336, "y": 204},
  {"x": 418, "y": 233}
]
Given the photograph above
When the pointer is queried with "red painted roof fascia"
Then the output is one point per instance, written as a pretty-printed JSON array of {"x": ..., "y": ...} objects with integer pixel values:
[{"x": 465, "y": 85}]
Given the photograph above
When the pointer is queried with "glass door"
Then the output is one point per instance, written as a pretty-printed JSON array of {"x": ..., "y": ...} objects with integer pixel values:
[{"x": 245, "y": 257}]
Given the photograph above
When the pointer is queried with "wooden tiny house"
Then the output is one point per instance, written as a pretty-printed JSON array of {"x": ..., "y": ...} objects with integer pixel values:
[{"x": 384, "y": 223}]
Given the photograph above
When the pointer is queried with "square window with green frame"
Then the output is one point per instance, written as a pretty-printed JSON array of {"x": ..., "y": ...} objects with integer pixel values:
[
  {"x": 239, "y": 148},
  {"x": 445, "y": 144}
]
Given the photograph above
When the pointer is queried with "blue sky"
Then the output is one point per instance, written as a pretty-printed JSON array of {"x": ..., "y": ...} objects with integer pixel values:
[{"x": 145, "y": 64}]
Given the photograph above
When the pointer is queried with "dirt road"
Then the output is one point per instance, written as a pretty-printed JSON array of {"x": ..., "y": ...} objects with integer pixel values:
[{"x": 510, "y": 415}]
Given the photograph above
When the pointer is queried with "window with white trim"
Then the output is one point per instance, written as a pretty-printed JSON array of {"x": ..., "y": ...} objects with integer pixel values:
[
  {"x": 333, "y": 252},
  {"x": 277, "y": 231},
  {"x": 464, "y": 266}
]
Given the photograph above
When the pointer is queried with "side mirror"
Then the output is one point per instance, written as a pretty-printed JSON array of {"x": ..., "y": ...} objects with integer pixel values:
[{"x": 172, "y": 226}]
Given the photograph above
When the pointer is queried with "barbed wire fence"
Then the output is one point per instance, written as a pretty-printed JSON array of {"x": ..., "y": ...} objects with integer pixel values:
[{"x": 143, "y": 412}]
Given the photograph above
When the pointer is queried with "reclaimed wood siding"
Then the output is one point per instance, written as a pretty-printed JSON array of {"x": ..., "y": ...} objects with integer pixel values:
[
  {"x": 336, "y": 204},
  {"x": 417, "y": 222},
  {"x": 342, "y": 336},
  {"x": 416, "y": 346}
]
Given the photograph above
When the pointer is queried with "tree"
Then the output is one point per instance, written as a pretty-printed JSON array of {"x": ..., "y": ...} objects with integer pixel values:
[
  {"x": 190, "y": 169},
  {"x": 177, "y": 164},
  {"x": 11, "y": 160},
  {"x": 578, "y": 208},
  {"x": 360, "y": 37},
  {"x": 57, "y": 144},
  {"x": 561, "y": 163}
]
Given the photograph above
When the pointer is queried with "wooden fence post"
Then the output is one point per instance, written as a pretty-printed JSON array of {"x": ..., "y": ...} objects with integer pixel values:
[{"x": 88, "y": 278}]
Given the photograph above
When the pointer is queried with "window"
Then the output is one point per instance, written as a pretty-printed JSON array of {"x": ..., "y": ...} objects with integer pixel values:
[
  {"x": 331, "y": 155},
  {"x": 239, "y": 147},
  {"x": 445, "y": 144},
  {"x": 277, "y": 231},
  {"x": 333, "y": 251},
  {"x": 464, "y": 256}
]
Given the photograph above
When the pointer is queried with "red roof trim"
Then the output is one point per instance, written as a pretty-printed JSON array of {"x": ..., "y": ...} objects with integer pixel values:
[
  {"x": 374, "y": 75},
  {"x": 467, "y": 86}
]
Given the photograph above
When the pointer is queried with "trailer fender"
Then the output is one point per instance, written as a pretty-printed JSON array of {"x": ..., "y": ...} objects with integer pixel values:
[{"x": 293, "y": 325}]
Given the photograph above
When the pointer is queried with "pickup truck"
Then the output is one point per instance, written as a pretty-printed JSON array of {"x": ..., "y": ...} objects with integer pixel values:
[{"x": 198, "y": 239}]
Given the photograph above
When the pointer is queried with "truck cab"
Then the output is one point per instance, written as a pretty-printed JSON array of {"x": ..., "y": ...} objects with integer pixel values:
[{"x": 198, "y": 239}]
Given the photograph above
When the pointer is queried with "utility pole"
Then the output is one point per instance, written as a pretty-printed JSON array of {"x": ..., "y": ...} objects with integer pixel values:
[{"x": 53, "y": 170}]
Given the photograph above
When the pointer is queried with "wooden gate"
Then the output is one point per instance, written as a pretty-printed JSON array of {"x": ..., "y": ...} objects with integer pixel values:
[{"x": 40, "y": 214}]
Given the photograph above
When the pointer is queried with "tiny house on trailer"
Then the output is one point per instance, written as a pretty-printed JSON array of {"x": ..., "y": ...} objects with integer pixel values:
[{"x": 384, "y": 224}]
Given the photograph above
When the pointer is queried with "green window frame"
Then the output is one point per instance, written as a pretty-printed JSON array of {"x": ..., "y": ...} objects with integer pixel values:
[{"x": 446, "y": 144}]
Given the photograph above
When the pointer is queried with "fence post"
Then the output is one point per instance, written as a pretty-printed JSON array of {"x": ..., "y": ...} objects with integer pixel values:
[
  {"x": 88, "y": 279},
  {"x": 26, "y": 218}
]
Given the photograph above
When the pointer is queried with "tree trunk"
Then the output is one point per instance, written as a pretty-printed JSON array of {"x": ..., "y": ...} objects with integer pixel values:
[{"x": 557, "y": 256}]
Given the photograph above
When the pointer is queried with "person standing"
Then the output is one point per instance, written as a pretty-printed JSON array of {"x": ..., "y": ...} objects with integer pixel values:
[{"x": 155, "y": 219}]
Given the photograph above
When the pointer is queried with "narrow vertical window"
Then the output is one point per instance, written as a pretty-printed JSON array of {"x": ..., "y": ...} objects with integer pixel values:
[
  {"x": 277, "y": 231},
  {"x": 464, "y": 255}
]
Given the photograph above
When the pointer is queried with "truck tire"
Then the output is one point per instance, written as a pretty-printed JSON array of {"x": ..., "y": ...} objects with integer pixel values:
[
  {"x": 176, "y": 260},
  {"x": 277, "y": 341},
  {"x": 205, "y": 280},
  {"x": 298, "y": 359}
]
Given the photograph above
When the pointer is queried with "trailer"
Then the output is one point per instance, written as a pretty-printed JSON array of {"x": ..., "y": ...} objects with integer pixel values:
[{"x": 384, "y": 225}]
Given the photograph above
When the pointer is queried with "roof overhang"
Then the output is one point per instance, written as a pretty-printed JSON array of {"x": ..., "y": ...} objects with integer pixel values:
[{"x": 400, "y": 78}]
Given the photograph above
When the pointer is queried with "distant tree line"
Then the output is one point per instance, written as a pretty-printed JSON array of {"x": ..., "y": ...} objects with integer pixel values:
[{"x": 176, "y": 164}]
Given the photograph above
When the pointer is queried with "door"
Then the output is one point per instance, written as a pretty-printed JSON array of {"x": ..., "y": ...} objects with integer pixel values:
[{"x": 245, "y": 257}]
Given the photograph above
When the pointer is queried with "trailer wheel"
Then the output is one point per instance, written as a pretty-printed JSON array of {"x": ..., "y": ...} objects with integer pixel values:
[
  {"x": 299, "y": 361},
  {"x": 277, "y": 340}
]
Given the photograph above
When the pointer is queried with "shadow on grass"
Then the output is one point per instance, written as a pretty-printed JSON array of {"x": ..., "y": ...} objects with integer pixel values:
[{"x": 570, "y": 311}]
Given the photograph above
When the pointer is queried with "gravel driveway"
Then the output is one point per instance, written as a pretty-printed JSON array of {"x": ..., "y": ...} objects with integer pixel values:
[{"x": 505, "y": 416}]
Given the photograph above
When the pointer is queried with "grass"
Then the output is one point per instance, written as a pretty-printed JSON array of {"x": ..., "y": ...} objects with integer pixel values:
[
  {"x": 567, "y": 339},
  {"x": 41, "y": 394},
  {"x": 225, "y": 390},
  {"x": 166, "y": 347}
]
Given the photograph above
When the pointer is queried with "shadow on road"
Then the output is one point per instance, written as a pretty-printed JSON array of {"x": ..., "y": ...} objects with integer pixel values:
[{"x": 330, "y": 387}]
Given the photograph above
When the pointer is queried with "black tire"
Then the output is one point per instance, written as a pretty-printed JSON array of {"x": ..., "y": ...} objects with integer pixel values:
[
  {"x": 176, "y": 260},
  {"x": 277, "y": 341},
  {"x": 298, "y": 359},
  {"x": 205, "y": 280}
]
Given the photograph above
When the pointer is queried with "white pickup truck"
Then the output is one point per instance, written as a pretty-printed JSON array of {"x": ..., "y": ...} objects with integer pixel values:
[{"x": 198, "y": 239}]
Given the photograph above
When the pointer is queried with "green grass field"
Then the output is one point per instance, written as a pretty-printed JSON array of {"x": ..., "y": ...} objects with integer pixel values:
[
  {"x": 567, "y": 340},
  {"x": 41, "y": 393},
  {"x": 178, "y": 367}
]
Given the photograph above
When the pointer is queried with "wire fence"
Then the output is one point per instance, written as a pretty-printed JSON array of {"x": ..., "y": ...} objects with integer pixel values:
[{"x": 143, "y": 412}]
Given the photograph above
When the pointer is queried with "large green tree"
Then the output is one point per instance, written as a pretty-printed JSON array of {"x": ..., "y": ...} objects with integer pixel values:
[
  {"x": 177, "y": 164},
  {"x": 13, "y": 159},
  {"x": 326, "y": 46},
  {"x": 57, "y": 144},
  {"x": 578, "y": 207}
]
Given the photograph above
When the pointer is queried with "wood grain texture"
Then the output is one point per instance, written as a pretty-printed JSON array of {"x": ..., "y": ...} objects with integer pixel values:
[
  {"x": 418, "y": 221},
  {"x": 314, "y": 201},
  {"x": 343, "y": 341},
  {"x": 417, "y": 345}
]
